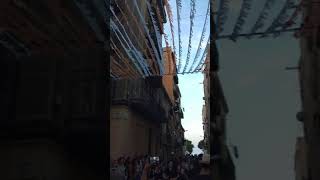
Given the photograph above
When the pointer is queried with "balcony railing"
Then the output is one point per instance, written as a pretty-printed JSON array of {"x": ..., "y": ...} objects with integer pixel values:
[{"x": 141, "y": 96}]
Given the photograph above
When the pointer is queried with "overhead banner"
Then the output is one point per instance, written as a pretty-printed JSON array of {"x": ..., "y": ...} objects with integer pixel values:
[
  {"x": 192, "y": 13},
  {"x": 222, "y": 15},
  {"x": 294, "y": 17},
  {"x": 282, "y": 16},
  {"x": 179, "y": 6},
  {"x": 262, "y": 17},
  {"x": 201, "y": 38},
  {"x": 246, "y": 6}
]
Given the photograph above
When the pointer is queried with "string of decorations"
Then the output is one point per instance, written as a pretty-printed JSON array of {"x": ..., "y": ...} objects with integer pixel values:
[
  {"x": 167, "y": 46},
  {"x": 131, "y": 48},
  {"x": 294, "y": 17},
  {"x": 155, "y": 26},
  {"x": 245, "y": 7},
  {"x": 149, "y": 37},
  {"x": 222, "y": 15},
  {"x": 131, "y": 51},
  {"x": 279, "y": 20},
  {"x": 203, "y": 56},
  {"x": 124, "y": 16},
  {"x": 201, "y": 38},
  {"x": 192, "y": 13},
  {"x": 131, "y": 71},
  {"x": 179, "y": 6},
  {"x": 263, "y": 15},
  {"x": 170, "y": 16}
]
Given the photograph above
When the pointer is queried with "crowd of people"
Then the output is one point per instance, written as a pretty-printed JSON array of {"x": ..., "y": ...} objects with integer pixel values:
[{"x": 188, "y": 167}]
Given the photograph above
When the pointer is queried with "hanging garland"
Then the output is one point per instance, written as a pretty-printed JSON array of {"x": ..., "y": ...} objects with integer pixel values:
[
  {"x": 203, "y": 56},
  {"x": 262, "y": 17},
  {"x": 140, "y": 30},
  {"x": 246, "y": 6},
  {"x": 293, "y": 17},
  {"x": 192, "y": 14},
  {"x": 149, "y": 37},
  {"x": 279, "y": 20},
  {"x": 170, "y": 15},
  {"x": 201, "y": 39},
  {"x": 131, "y": 47},
  {"x": 179, "y": 6},
  {"x": 222, "y": 15},
  {"x": 124, "y": 45},
  {"x": 167, "y": 46}
]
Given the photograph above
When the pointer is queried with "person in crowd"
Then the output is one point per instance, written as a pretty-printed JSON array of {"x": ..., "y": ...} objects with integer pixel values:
[
  {"x": 182, "y": 174},
  {"x": 138, "y": 169},
  {"x": 205, "y": 168},
  {"x": 164, "y": 171},
  {"x": 172, "y": 170},
  {"x": 157, "y": 172},
  {"x": 143, "y": 168}
]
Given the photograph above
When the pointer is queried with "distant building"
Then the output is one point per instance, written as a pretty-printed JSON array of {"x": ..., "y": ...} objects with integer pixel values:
[{"x": 170, "y": 81}]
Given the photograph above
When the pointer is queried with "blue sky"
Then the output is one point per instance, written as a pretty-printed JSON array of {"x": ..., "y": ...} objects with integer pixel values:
[{"x": 191, "y": 86}]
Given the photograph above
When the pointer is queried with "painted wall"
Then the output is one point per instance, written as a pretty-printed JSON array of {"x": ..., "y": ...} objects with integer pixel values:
[{"x": 129, "y": 133}]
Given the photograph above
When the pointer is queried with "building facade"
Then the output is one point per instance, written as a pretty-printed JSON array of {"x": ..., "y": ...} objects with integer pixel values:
[
  {"x": 137, "y": 112},
  {"x": 145, "y": 112},
  {"x": 53, "y": 90},
  {"x": 206, "y": 106},
  {"x": 222, "y": 163},
  {"x": 170, "y": 81},
  {"x": 136, "y": 38},
  {"x": 146, "y": 116},
  {"x": 310, "y": 85},
  {"x": 300, "y": 166}
]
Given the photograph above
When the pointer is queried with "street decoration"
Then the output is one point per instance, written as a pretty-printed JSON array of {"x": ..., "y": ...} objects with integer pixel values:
[{"x": 192, "y": 14}]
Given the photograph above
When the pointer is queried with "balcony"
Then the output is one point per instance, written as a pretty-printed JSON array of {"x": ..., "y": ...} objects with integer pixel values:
[{"x": 141, "y": 96}]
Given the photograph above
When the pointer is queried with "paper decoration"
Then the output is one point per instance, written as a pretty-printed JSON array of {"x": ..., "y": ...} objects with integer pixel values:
[
  {"x": 203, "y": 56},
  {"x": 282, "y": 16},
  {"x": 201, "y": 39},
  {"x": 222, "y": 15},
  {"x": 262, "y": 17},
  {"x": 179, "y": 6},
  {"x": 246, "y": 6},
  {"x": 170, "y": 15},
  {"x": 192, "y": 13}
]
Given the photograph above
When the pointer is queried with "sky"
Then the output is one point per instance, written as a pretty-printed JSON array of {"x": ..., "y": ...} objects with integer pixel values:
[{"x": 262, "y": 96}]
